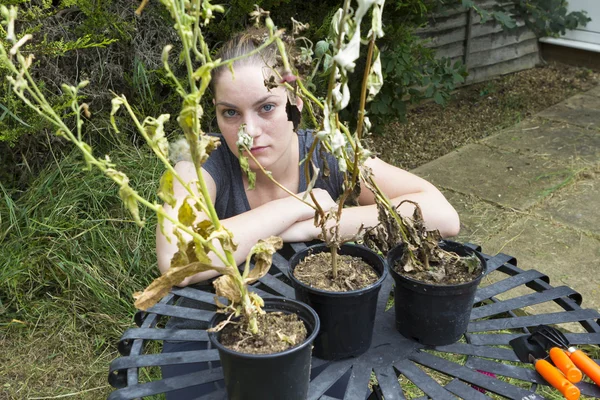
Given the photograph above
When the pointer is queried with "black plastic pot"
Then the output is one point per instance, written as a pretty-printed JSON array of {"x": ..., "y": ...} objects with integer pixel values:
[
  {"x": 347, "y": 318},
  {"x": 433, "y": 315},
  {"x": 283, "y": 375}
]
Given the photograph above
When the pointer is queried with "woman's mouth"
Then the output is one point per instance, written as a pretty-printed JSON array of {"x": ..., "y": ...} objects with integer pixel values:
[{"x": 258, "y": 149}]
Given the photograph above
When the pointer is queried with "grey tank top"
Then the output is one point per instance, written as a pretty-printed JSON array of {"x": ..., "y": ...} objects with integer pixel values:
[{"x": 231, "y": 200}]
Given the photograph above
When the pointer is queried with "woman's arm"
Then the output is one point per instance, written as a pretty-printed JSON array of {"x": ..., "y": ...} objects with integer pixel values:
[
  {"x": 269, "y": 219},
  {"x": 398, "y": 185}
]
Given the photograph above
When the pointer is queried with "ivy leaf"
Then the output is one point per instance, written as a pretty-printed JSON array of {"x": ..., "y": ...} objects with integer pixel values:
[
  {"x": 165, "y": 188},
  {"x": 186, "y": 214}
]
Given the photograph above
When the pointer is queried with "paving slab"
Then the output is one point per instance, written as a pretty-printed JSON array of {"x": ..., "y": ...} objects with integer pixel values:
[
  {"x": 567, "y": 256},
  {"x": 593, "y": 92},
  {"x": 479, "y": 220},
  {"x": 498, "y": 176},
  {"x": 551, "y": 139},
  {"x": 582, "y": 110},
  {"x": 577, "y": 206}
]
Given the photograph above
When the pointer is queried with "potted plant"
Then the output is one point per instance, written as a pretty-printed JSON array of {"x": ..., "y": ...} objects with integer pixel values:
[
  {"x": 340, "y": 281},
  {"x": 284, "y": 370},
  {"x": 435, "y": 280}
]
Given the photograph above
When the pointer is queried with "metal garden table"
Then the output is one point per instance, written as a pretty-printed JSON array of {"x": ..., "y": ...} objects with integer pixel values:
[{"x": 391, "y": 355}]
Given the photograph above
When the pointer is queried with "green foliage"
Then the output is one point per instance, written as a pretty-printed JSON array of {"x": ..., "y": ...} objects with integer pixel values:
[{"x": 547, "y": 17}]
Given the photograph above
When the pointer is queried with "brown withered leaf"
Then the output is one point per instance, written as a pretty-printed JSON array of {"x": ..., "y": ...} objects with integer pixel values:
[
  {"x": 225, "y": 286},
  {"x": 263, "y": 256},
  {"x": 161, "y": 286}
]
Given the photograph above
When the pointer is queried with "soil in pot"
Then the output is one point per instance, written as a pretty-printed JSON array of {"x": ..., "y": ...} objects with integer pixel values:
[
  {"x": 278, "y": 332},
  {"x": 353, "y": 273},
  {"x": 451, "y": 269}
]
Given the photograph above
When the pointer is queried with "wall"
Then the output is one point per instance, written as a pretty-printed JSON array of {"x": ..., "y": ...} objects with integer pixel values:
[{"x": 584, "y": 38}]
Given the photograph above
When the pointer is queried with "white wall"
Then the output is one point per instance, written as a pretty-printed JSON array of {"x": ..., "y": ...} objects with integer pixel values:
[{"x": 585, "y": 38}]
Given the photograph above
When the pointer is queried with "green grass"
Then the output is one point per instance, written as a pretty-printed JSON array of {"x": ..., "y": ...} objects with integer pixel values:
[{"x": 70, "y": 259}]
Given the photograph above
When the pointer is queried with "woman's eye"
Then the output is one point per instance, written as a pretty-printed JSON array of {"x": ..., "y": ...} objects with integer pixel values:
[
  {"x": 268, "y": 107},
  {"x": 229, "y": 113}
]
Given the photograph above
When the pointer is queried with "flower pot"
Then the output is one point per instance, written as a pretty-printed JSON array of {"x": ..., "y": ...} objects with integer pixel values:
[
  {"x": 433, "y": 315},
  {"x": 283, "y": 375},
  {"x": 347, "y": 318}
]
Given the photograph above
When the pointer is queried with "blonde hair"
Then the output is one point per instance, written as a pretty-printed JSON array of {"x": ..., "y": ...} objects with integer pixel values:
[{"x": 244, "y": 43}]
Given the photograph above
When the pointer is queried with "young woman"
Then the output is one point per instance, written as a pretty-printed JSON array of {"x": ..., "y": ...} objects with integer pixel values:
[{"x": 243, "y": 98}]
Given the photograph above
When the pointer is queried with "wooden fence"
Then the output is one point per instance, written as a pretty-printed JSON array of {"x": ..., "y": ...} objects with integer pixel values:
[{"x": 486, "y": 48}]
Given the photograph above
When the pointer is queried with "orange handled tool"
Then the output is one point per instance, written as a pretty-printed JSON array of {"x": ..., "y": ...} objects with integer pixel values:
[
  {"x": 555, "y": 378},
  {"x": 566, "y": 366},
  {"x": 586, "y": 364}
]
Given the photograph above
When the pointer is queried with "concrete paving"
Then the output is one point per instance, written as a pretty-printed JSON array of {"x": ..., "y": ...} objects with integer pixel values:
[{"x": 533, "y": 191}]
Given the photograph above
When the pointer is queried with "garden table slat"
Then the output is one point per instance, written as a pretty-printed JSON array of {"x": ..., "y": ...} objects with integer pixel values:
[
  {"x": 507, "y": 284},
  {"x": 188, "y": 335},
  {"x": 479, "y": 351},
  {"x": 278, "y": 286},
  {"x": 533, "y": 320},
  {"x": 198, "y": 295},
  {"x": 425, "y": 382},
  {"x": 388, "y": 382},
  {"x": 175, "y": 358},
  {"x": 521, "y": 301},
  {"x": 281, "y": 263},
  {"x": 359, "y": 380},
  {"x": 465, "y": 391},
  {"x": 499, "y": 260},
  {"x": 181, "y": 312},
  {"x": 327, "y": 378}
]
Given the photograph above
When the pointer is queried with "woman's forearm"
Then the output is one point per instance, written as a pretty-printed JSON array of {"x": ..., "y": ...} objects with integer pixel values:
[{"x": 270, "y": 219}]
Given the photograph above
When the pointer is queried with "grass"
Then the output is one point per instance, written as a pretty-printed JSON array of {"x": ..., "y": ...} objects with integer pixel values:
[{"x": 70, "y": 259}]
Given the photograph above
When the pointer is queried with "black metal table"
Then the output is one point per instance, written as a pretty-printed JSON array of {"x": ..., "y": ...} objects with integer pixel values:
[{"x": 390, "y": 356}]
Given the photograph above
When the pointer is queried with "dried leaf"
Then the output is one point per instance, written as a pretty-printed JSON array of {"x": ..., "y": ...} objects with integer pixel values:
[
  {"x": 201, "y": 253},
  {"x": 186, "y": 214},
  {"x": 285, "y": 338},
  {"x": 161, "y": 286},
  {"x": 263, "y": 255},
  {"x": 165, "y": 189},
  {"x": 127, "y": 195},
  {"x": 225, "y": 286}
]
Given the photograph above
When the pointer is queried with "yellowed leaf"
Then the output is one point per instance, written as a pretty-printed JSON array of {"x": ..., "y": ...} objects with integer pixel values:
[
  {"x": 161, "y": 286},
  {"x": 186, "y": 214},
  {"x": 263, "y": 256}
]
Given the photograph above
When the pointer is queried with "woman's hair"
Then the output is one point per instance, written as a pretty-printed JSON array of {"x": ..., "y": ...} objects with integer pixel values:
[{"x": 244, "y": 43}]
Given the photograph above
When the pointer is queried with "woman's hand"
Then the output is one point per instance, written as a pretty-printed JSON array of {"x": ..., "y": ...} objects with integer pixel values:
[
  {"x": 322, "y": 197},
  {"x": 302, "y": 231}
]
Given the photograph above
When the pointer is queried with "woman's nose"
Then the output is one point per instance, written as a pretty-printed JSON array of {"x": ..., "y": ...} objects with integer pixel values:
[{"x": 252, "y": 126}]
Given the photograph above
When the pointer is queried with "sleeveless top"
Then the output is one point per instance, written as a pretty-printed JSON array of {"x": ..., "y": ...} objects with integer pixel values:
[{"x": 224, "y": 167}]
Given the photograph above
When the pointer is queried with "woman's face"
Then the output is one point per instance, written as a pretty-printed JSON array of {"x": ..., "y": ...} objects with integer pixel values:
[{"x": 244, "y": 99}]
